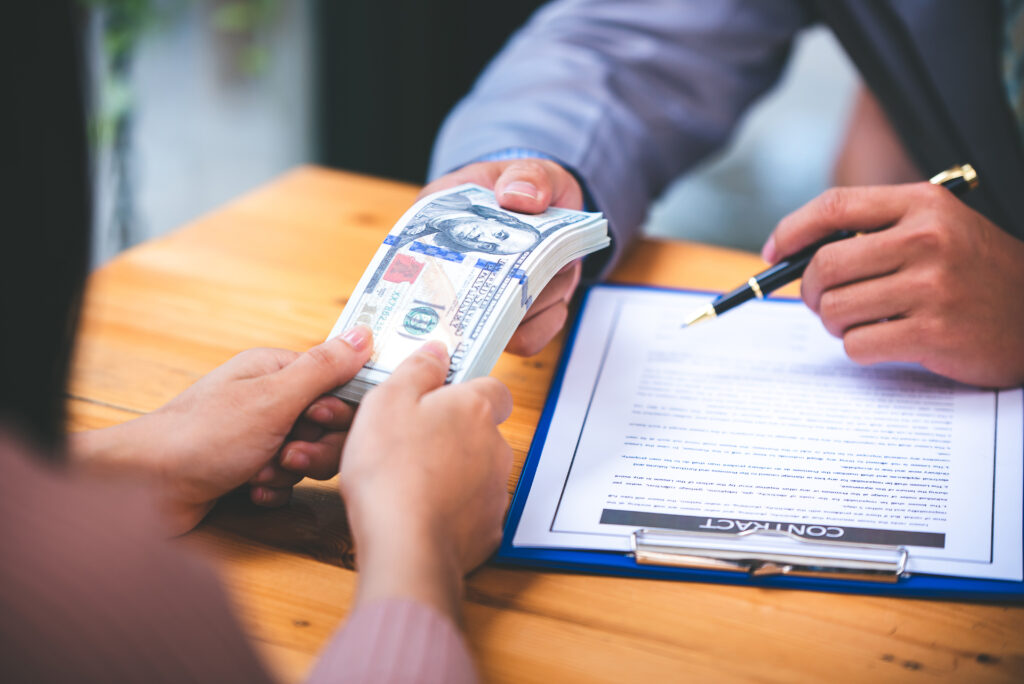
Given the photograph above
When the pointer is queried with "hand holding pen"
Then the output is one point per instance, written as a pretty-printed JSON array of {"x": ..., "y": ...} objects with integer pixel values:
[
  {"x": 939, "y": 284},
  {"x": 958, "y": 179}
]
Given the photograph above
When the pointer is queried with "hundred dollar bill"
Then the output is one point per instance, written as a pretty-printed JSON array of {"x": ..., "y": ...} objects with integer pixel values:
[{"x": 453, "y": 268}]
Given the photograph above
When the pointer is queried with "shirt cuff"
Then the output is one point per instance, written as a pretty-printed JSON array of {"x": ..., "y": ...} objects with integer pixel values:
[{"x": 394, "y": 641}]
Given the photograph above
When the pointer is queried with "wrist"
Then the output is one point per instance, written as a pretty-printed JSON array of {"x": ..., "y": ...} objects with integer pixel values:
[
  {"x": 402, "y": 557},
  {"x": 107, "y": 450},
  {"x": 136, "y": 450}
]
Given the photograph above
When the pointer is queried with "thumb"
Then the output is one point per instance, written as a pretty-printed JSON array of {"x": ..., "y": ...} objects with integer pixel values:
[
  {"x": 424, "y": 370},
  {"x": 530, "y": 185},
  {"x": 323, "y": 367}
]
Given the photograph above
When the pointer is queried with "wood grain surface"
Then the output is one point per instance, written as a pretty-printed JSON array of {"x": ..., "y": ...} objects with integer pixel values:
[{"x": 274, "y": 268}]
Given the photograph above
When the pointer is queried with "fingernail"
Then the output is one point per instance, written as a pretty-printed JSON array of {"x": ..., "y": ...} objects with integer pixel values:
[
  {"x": 438, "y": 349},
  {"x": 768, "y": 251},
  {"x": 521, "y": 188},
  {"x": 321, "y": 413},
  {"x": 259, "y": 494},
  {"x": 358, "y": 337},
  {"x": 295, "y": 460}
]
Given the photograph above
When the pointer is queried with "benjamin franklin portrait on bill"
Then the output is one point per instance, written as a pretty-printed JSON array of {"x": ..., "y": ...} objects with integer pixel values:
[
  {"x": 469, "y": 221},
  {"x": 457, "y": 223}
]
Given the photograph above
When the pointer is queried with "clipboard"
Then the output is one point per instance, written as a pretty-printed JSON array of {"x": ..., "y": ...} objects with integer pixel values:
[{"x": 707, "y": 556}]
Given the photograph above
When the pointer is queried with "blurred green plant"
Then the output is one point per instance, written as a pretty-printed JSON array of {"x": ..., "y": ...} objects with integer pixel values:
[
  {"x": 124, "y": 24},
  {"x": 246, "y": 19}
]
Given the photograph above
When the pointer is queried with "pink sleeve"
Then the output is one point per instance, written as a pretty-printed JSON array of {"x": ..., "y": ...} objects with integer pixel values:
[
  {"x": 89, "y": 592},
  {"x": 395, "y": 640}
]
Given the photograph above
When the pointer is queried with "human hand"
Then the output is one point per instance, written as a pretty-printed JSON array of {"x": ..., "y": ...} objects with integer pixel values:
[
  {"x": 941, "y": 286},
  {"x": 228, "y": 429},
  {"x": 529, "y": 186},
  {"x": 423, "y": 477}
]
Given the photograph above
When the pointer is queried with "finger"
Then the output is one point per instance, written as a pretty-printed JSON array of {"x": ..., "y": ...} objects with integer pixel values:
[
  {"x": 270, "y": 497},
  {"x": 319, "y": 460},
  {"x": 272, "y": 475},
  {"x": 532, "y": 185},
  {"x": 481, "y": 173},
  {"x": 423, "y": 371},
  {"x": 865, "y": 302},
  {"x": 255, "y": 362},
  {"x": 322, "y": 368},
  {"x": 496, "y": 394},
  {"x": 892, "y": 340},
  {"x": 559, "y": 289},
  {"x": 576, "y": 269},
  {"x": 531, "y": 336},
  {"x": 330, "y": 413},
  {"x": 852, "y": 208},
  {"x": 867, "y": 256},
  {"x": 306, "y": 430}
]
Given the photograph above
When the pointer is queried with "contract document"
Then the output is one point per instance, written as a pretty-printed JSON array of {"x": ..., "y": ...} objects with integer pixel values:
[{"x": 758, "y": 420}]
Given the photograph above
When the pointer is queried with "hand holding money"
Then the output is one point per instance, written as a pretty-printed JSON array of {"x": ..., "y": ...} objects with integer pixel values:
[
  {"x": 529, "y": 186},
  {"x": 460, "y": 269},
  {"x": 416, "y": 539}
]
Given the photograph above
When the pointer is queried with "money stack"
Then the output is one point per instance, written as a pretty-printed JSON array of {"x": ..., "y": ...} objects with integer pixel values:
[{"x": 460, "y": 269}]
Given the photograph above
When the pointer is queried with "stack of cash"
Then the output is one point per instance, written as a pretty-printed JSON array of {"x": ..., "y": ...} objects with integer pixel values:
[{"x": 460, "y": 269}]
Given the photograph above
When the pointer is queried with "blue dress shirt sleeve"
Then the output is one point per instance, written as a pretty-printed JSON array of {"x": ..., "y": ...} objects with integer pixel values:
[{"x": 626, "y": 93}]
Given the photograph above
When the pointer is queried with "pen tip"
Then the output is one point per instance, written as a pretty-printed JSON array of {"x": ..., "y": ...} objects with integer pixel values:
[{"x": 705, "y": 314}]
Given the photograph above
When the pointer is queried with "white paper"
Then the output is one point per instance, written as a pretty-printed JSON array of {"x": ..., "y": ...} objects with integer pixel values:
[{"x": 759, "y": 420}]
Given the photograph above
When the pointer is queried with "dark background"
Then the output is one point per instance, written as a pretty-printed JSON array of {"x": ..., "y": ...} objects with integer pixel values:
[{"x": 388, "y": 72}]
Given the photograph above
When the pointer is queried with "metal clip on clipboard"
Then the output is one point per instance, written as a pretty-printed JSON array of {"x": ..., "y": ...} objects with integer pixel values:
[{"x": 803, "y": 558}]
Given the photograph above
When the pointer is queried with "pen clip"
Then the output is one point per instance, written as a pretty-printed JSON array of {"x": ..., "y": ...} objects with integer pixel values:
[{"x": 960, "y": 172}]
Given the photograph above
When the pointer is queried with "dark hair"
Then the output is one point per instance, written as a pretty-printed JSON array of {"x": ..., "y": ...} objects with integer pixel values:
[{"x": 45, "y": 213}]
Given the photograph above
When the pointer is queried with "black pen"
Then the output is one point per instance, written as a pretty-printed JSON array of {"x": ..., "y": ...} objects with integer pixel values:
[{"x": 959, "y": 179}]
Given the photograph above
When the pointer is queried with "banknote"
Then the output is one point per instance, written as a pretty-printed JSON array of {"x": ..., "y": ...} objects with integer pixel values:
[{"x": 454, "y": 267}]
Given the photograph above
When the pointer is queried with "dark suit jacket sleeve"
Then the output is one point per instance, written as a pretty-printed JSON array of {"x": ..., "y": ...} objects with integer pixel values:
[{"x": 627, "y": 93}]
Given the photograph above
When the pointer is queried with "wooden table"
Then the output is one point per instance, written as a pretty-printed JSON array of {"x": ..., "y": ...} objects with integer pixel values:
[{"x": 274, "y": 269}]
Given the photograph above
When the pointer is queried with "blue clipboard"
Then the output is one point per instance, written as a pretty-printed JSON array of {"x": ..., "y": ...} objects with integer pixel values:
[{"x": 624, "y": 564}]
